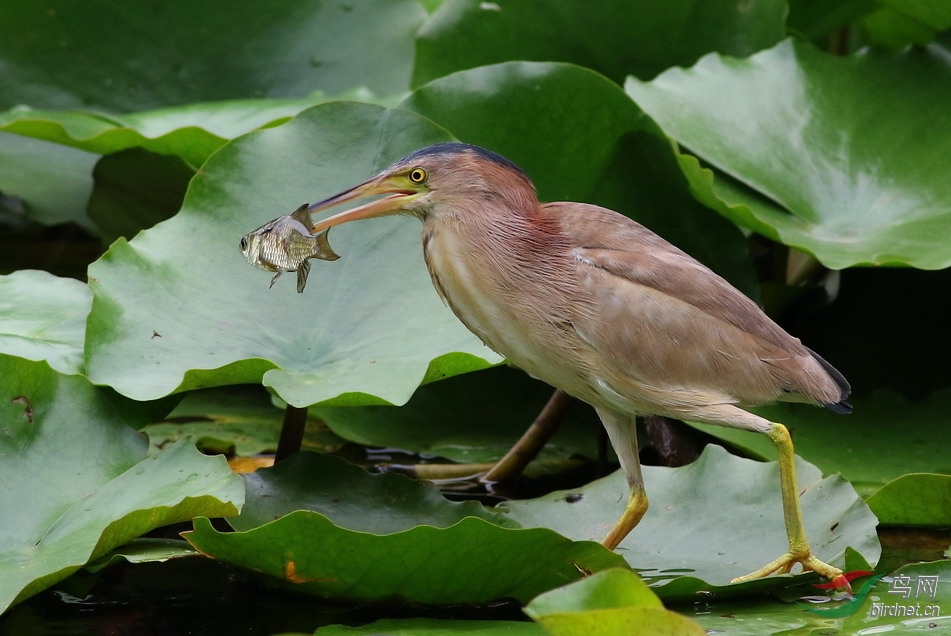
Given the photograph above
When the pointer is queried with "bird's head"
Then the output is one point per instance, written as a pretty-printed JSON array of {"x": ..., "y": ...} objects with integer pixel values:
[{"x": 450, "y": 176}]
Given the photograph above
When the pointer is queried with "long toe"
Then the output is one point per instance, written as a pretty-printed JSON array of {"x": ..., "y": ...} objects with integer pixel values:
[{"x": 809, "y": 563}]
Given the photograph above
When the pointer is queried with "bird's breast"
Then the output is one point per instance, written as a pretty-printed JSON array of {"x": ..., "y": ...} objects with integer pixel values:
[{"x": 466, "y": 282}]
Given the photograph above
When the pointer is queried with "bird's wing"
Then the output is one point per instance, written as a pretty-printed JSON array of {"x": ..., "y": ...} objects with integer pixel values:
[
  {"x": 663, "y": 319},
  {"x": 628, "y": 250}
]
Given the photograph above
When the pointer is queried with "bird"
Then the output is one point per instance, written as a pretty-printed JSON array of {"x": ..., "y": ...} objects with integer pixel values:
[{"x": 603, "y": 309}]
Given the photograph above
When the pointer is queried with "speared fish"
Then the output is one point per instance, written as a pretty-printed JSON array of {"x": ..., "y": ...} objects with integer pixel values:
[{"x": 286, "y": 244}]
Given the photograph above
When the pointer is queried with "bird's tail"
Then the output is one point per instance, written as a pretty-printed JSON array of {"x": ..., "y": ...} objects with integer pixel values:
[{"x": 842, "y": 406}]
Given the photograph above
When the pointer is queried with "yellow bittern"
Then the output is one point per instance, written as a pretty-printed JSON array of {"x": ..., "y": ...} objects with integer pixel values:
[{"x": 602, "y": 308}]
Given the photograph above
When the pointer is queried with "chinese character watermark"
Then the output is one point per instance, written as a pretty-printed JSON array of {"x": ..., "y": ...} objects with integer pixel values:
[
  {"x": 917, "y": 590},
  {"x": 912, "y": 595}
]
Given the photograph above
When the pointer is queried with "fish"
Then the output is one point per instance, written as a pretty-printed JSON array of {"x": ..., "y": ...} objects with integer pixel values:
[{"x": 286, "y": 244}]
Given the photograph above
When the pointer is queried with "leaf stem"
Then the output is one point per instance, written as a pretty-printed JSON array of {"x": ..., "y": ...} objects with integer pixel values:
[{"x": 292, "y": 432}]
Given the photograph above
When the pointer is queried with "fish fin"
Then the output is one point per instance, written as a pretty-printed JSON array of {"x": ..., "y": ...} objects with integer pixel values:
[
  {"x": 302, "y": 273},
  {"x": 301, "y": 214},
  {"x": 326, "y": 252},
  {"x": 275, "y": 277}
]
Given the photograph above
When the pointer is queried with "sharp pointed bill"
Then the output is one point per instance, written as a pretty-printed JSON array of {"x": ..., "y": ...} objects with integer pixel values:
[
  {"x": 396, "y": 192},
  {"x": 286, "y": 244}
]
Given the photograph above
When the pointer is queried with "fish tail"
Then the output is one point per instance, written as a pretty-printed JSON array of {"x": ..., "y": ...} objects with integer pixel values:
[{"x": 323, "y": 247}]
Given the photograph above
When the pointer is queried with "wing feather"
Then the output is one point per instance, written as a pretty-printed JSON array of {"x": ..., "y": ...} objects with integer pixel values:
[{"x": 663, "y": 321}]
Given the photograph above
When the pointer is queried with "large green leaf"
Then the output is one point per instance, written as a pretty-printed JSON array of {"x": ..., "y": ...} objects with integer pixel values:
[
  {"x": 135, "y": 56},
  {"x": 916, "y": 499},
  {"x": 54, "y": 182},
  {"x": 615, "y": 38},
  {"x": 891, "y": 28},
  {"x": 415, "y": 545},
  {"x": 581, "y": 138},
  {"x": 898, "y": 23},
  {"x": 191, "y": 131},
  {"x": 607, "y": 603},
  {"x": 839, "y": 154},
  {"x": 75, "y": 483},
  {"x": 715, "y": 519},
  {"x": 933, "y": 13},
  {"x": 43, "y": 317},
  {"x": 178, "y": 307}
]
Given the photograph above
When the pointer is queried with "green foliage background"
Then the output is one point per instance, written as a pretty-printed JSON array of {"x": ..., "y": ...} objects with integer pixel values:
[{"x": 798, "y": 148}]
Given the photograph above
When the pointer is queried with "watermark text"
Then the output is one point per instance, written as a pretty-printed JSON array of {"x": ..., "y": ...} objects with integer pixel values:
[{"x": 917, "y": 590}]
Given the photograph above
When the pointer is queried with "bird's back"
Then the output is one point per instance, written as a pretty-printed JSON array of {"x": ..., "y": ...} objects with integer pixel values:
[{"x": 659, "y": 317}]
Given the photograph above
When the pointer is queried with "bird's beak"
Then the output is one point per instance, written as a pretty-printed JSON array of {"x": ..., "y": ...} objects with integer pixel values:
[{"x": 396, "y": 195}]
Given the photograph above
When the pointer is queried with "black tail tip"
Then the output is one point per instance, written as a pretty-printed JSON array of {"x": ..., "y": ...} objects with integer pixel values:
[{"x": 842, "y": 408}]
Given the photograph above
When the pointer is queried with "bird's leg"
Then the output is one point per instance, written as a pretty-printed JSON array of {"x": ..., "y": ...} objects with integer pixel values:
[
  {"x": 799, "y": 551},
  {"x": 532, "y": 441},
  {"x": 633, "y": 511},
  {"x": 622, "y": 430}
]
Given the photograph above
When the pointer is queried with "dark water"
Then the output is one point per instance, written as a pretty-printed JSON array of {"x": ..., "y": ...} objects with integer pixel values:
[{"x": 199, "y": 596}]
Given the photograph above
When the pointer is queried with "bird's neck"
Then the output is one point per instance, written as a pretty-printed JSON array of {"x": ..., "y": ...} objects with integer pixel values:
[
  {"x": 497, "y": 241},
  {"x": 482, "y": 263}
]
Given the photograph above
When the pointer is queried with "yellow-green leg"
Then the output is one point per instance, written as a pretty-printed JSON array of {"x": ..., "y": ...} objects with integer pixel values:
[
  {"x": 635, "y": 509},
  {"x": 622, "y": 431},
  {"x": 799, "y": 551}
]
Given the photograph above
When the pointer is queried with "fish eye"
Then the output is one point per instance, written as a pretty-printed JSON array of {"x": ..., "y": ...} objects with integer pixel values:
[
  {"x": 244, "y": 243},
  {"x": 418, "y": 175}
]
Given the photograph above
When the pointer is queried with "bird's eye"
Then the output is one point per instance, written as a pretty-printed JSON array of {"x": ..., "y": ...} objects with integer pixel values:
[
  {"x": 244, "y": 243},
  {"x": 417, "y": 175}
]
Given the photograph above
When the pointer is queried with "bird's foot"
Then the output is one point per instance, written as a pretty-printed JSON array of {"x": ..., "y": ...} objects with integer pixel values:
[{"x": 785, "y": 563}]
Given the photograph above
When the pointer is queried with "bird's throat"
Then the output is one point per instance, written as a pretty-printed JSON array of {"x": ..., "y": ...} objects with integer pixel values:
[{"x": 482, "y": 272}]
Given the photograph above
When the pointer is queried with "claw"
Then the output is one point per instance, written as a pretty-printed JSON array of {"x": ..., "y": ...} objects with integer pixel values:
[{"x": 843, "y": 581}]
